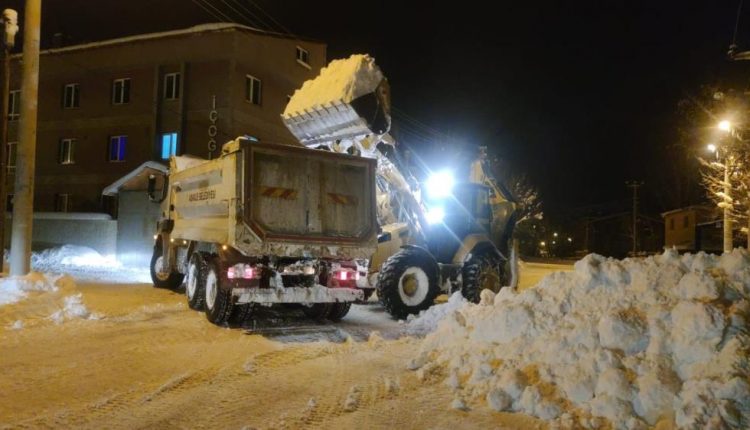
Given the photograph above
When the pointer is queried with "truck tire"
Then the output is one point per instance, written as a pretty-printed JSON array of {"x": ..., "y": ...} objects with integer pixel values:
[
  {"x": 195, "y": 282},
  {"x": 241, "y": 313},
  {"x": 481, "y": 272},
  {"x": 408, "y": 282},
  {"x": 160, "y": 280},
  {"x": 338, "y": 311},
  {"x": 218, "y": 300},
  {"x": 316, "y": 311}
]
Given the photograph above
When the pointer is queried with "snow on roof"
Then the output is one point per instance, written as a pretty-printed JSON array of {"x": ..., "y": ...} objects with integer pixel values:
[
  {"x": 114, "y": 188},
  {"x": 687, "y": 208},
  {"x": 341, "y": 81},
  {"x": 203, "y": 28}
]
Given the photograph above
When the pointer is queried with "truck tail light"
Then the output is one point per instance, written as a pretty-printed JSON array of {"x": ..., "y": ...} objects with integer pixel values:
[
  {"x": 343, "y": 275},
  {"x": 244, "y": 271}
]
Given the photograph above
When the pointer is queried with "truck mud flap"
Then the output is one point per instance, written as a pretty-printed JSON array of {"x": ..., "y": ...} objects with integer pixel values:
[{"x": 316, "y": 294}]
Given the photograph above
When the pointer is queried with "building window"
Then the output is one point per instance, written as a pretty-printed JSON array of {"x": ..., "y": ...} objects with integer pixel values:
[
  {"x": 252, "y": 89},
  {"x": 685, "y": 221},
  {"x": 172, "y": 86},
  {"x": 71, "y": 96},
  {"x": 117, "y": 146},
  {"x": 303, "y": 57},
  {"x": 121, "y": 91},
  {"x": 14, "y": 104},
  {"x": 67, "y": 147},
  {"x": 168, "y": 145},
  {"x": 12, "y": 151},
  {"x": 671, "y": 223},
  {"x": 62, "y": 202}
]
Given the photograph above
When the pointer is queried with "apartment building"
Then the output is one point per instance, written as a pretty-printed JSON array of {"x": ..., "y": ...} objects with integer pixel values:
[{"x": 107, "y": 107}]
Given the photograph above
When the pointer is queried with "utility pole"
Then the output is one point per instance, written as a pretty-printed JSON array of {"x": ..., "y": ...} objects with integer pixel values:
[
  {"x": 635, "y": 185},
  {"x": 23, "y": 208},
  {"x": 10, "y": 26}
]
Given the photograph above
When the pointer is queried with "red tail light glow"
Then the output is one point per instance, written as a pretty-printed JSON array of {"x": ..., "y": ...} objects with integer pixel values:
[
  {"x": 343, "y": 275},
  {"x": 231, "y": 273}
]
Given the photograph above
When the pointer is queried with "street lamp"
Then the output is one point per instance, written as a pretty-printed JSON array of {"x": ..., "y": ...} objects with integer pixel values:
[
  {"x": 712, "y": 148},
  {"x": 725, "y": 125}
]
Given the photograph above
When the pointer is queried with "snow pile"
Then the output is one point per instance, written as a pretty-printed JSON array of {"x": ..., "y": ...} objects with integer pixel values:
[
  {"x": 72, "y": 308},
  {"x": 71, "y": 255},
  {"x": 16, "y": 288},
  {"x": 630, "y": 342},
  {"x": 86, "y": 264},
  {"x": 428, "y": 320},
  {"x": 341, "y": 81}
]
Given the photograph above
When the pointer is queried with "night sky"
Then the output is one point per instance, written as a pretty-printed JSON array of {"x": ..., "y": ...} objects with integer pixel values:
[{"x": 579, "y": 95}]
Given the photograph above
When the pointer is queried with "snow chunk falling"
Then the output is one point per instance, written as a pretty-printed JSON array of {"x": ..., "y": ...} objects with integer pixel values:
[
  {"x": 16, "y": 288},
  {"x": 627, "y": 342},
  {"x": 341, "y": 81}
]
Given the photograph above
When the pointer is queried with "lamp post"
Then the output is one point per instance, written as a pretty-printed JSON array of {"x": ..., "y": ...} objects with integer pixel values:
[{"x": 726, "y": 203}]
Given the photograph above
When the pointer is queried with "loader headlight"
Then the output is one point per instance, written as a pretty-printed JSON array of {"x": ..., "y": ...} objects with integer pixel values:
[
  {"x": 440, "y": 184},
  {"x": 435, "y": 215}
]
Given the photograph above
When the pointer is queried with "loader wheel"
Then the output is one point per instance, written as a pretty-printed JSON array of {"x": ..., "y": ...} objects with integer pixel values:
[
  {"x": 195, "y": 282},
  {"x": 338, "y": 311},
  {"x": 171, "y": 280},
  {"x": 479, "y": 273},
  {"x": 316, "y": 311},
  {"x": 218, "y": 300},
  {"x": 408, "y": 282}
]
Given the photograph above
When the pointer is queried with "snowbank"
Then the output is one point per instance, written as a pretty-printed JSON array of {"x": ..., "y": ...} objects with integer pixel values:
[
  {"x": 342, "y": 80},
  {"x": 16, "y": 288},
  {"x": 427, "y": 320},
  {"x": 86, "y": 264},
  {"x": 629, "y": 342}
]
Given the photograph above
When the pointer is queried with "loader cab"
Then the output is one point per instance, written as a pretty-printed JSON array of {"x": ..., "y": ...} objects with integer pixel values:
[{"x": 452, "y": 217}]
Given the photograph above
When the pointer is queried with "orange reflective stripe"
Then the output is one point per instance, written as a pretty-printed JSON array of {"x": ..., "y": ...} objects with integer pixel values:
[
  {"x": 278, "y": 193},
  {"x": 342, "y": 199}
]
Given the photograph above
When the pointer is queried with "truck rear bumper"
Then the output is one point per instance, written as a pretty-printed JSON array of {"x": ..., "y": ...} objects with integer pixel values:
[{"x": 316, "y": 294}]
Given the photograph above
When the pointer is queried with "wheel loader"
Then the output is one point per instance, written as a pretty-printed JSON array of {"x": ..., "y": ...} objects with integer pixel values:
[{"x": 435, "y": 236}]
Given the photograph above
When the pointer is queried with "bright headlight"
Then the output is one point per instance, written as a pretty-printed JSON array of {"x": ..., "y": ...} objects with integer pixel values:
[
  {"x": 440, "y": 184},
  {"x": 435, "y": 215}
]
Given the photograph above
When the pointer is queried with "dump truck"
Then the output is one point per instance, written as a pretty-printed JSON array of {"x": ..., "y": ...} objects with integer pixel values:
[
  {"x": 435, "y": 236},
  {"x": 264, "y": 224}
]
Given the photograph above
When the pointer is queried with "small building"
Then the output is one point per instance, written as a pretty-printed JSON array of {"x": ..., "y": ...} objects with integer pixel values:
[
  {"x": 693, "y": 228},
  {"x": 106, "y": 107}
]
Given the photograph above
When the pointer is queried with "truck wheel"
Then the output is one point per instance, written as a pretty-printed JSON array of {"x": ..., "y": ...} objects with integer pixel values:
[
  {"x": 218, "y": 300},
  {"x": 338, "y": 311},
  {"x": 170, "y": 280},
  {"x": 195, "y": 282},
  {"x": 408, "y": 282},
  {"x": 316, "y": 311},
  {"x": 479, "y": 273},
  {"x": 241, "y": 313}
]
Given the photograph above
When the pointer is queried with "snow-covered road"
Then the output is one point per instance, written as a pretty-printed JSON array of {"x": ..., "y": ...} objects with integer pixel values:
[{"x": 139, "y": 358}]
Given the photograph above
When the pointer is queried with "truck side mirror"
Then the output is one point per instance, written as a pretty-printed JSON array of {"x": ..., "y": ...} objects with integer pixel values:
[{"x": 151, "y": 186}]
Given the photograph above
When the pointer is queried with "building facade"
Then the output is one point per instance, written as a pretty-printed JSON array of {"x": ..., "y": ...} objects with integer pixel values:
[
  {"x": 107, "y": 107},
  {"x": 693, "y": 228}
]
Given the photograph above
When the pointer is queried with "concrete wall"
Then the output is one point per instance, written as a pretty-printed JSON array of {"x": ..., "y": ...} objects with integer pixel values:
[
  {"x": 52, "y": 229},
  {"x": 136, "y": 225}
]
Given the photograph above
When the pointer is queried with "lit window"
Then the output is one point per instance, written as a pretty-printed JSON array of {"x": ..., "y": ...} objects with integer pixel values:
[
  {"x": 71, "y": 96},
  {"x": 303, "y": 56},
  {"x": 172, "y": 86},
  {"x": 14, "y": 104},
  {"x": 62, "y": 202},
  {"x": 252, "y": 89},
  {"x": 121, "y": 91},
  {"x": 168, "y": 145},
  {"x": 67, "y": 147},
  {"x": 12, "y": 151},
  {"x": 117, "y": 146}
]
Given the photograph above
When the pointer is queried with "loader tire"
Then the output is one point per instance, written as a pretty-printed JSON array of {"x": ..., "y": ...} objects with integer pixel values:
[
  {"x": 338, "y": 311},
  {"x": 195, "y": 282},
  {"x": 479, "y": 273},
  {"x": 317, "y": 311},
  {"x": 218, "y": 300},
  {"x": 172, "y": 281},
  {"x": 408, "y": 282}
]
